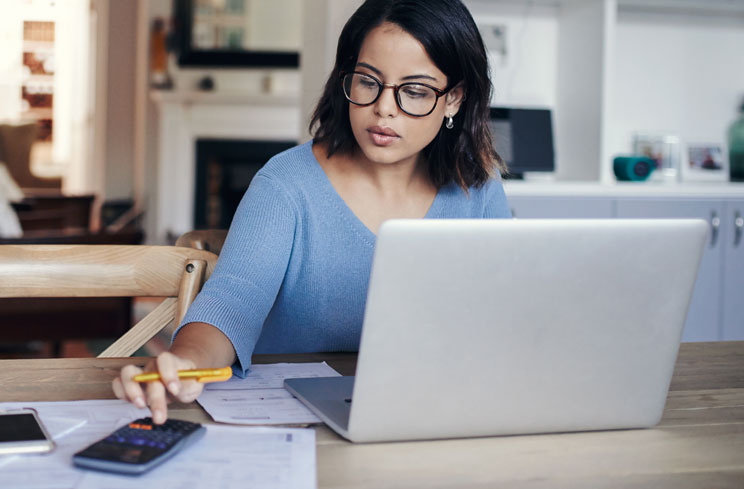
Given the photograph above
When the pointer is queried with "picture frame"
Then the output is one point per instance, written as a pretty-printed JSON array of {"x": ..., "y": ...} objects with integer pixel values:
[
  {"x": 664, "y": 150},
  {"x": 705, "y": 162}
]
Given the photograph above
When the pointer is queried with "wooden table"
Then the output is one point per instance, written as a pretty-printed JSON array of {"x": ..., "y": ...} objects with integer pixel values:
[{"x": 698, "y": 444}]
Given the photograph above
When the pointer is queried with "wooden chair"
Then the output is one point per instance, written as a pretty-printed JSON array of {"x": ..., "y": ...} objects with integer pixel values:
[
  {"x": 204, "y": 239},
  {"x": 175, "y": 273},
  {"x": 15, "y": 150}
]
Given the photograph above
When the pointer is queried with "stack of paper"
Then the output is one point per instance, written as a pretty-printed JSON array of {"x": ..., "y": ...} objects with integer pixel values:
[
  {"x": 227, "y": 457},
  {"x": 260, "y": 398}
]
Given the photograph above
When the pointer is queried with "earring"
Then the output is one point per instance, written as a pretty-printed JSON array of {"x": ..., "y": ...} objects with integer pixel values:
[{"x": 450, "y": 122}]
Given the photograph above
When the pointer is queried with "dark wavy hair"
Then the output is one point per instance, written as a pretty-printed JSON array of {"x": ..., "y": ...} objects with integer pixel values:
[{"x": 463, "y": 154}]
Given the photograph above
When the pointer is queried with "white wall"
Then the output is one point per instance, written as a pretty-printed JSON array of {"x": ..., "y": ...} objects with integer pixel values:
[
  {"x": 11, "y": 64},
  {"x": 676, "y": 74},
  {"x": 526, "y": 74},
  {"x": 72, "y": 110},
  {"x": 320, "y": 39},
  {"x": 667, "y": 72}
]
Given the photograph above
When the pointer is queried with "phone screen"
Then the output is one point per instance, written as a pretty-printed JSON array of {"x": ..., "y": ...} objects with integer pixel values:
[{"x": 20, "y": 427}]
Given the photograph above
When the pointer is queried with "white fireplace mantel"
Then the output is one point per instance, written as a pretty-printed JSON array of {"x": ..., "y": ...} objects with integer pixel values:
[{"x": 185, "y": 117}]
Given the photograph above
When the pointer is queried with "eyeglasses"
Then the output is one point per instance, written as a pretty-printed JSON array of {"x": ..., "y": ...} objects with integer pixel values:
[{"x": 413, "y": 98}]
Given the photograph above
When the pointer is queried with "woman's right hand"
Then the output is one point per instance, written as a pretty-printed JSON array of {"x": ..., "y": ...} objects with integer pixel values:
[{"x": 157, "y": 395}]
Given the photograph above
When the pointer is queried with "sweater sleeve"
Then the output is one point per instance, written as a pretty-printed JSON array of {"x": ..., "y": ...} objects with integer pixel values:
[
  {"x": 497, "y": 206},
  {"x": 242, "y": 289}
]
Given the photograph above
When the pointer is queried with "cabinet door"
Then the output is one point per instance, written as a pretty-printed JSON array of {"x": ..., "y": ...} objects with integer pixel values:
[
  {"x": 525, "y": 207},
  {"x": 732, "y": 226},
  {"x": 704, "y": 316}
]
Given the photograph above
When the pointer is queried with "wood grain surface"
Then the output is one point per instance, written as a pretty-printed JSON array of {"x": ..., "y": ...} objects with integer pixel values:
[{"x": 698, "y": 444}]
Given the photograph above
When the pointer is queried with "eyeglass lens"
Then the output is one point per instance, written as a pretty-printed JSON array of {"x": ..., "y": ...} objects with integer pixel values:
[{"x": 413, "y": 98}]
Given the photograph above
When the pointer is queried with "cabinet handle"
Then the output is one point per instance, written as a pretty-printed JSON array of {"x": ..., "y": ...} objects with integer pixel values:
[
  {"x": 738, "y": 227},
  {"x": 715, "y": 226}
]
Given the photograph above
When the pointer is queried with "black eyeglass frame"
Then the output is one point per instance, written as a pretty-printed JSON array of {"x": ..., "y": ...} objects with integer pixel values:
[{"x": 396, "y": 88}]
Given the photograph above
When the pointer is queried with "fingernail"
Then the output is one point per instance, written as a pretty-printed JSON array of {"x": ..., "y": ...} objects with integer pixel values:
[
  {"x": 158, "y": 416},
  {"x": 139, "y": 402},
  {"x": 173, "y": 387}
]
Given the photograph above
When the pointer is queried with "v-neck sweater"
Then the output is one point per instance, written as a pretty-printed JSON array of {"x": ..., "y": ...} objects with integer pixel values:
[{"x": 293, "y": 273}]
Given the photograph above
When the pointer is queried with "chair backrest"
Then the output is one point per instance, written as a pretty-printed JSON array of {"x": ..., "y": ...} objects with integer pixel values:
[
  {"x": 204, "y": 239},
  {"x": 172, "y": 272},
  {"x": 15, "y": 150}
]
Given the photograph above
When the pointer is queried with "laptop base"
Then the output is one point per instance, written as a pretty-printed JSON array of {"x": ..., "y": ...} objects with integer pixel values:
[{"x": 329, "y": 398}]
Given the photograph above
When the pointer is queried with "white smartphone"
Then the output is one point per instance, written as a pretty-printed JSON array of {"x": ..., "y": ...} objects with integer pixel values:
[{"x": 21, "y": 431}]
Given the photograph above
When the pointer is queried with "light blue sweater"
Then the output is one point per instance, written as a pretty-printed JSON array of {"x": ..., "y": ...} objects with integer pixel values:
[{"x": 293, "y": 272}]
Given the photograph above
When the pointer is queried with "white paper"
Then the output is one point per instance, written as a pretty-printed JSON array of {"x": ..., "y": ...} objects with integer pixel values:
[
  {"x": 227, "y": 457},
  {"x": 55, "y": 470},
  {"x": 260, "y": 398}
]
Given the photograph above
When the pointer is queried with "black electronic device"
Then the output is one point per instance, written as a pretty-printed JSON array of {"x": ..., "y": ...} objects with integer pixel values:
[
  {"x": 524, "y": 139},
  {"x": 139, "y": 446}
]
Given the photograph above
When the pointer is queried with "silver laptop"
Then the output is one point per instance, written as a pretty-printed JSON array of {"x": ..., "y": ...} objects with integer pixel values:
[{"x": 500, "y": 327}]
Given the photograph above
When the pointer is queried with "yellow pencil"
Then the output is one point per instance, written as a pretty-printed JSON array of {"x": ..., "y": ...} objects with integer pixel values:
[{"x": 202, "y": 375}]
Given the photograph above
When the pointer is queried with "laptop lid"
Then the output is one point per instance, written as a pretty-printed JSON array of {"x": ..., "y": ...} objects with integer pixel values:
[{"x": 494, "y": 327}]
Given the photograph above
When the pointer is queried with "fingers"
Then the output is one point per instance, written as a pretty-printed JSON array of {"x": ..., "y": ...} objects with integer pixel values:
[
  {"x": 125, "y": 388},
  {"x": 168, "y": 365},
  {"x": 157, "y": 394},
  {"x": 156, "y": 399},
  {"x": 190, "y": 390},
  {"x": 182, "y": 390}
]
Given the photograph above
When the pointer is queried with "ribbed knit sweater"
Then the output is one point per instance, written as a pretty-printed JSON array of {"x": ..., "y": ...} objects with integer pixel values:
[{"x": 292, "y": 275}]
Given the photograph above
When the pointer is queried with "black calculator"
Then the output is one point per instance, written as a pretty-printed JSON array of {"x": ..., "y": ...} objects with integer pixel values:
[{"x": 139, "y": 446}]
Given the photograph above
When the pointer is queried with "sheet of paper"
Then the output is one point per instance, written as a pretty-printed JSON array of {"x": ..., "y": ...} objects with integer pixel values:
[
  {"x": 227, "y": 457},
  {"x": 55, "y": 470},
  {"x": 230, "y": 457},
  {"x": 260, "y": 398}
]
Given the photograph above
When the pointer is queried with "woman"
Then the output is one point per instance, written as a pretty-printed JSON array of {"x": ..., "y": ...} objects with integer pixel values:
[{"x": 400, "y": 131}]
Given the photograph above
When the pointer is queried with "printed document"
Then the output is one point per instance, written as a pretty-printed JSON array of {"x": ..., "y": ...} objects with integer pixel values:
[
  {"x": 227, "y": 457},
  {"x": 55, "y": 470},
  {"x": 260, "y": 398}
]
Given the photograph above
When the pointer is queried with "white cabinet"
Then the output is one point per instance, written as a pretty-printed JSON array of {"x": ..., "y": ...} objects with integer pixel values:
[
  {"x": 561, "y": 207},
  {"x": 717, "y": 306},
  {"x": 704, "y": 315},
  {"x": 732, "y": 242}
]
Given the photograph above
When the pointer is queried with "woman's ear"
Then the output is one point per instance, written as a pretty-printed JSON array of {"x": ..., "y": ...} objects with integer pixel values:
[{"x": 454, "y": 99}]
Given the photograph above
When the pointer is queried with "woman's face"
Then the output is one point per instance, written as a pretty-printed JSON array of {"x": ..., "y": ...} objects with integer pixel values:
[{"x": 385, "y": 134}]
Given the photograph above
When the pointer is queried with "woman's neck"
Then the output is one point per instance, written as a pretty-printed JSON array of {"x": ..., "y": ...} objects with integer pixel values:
[
  {"x": 376, "y": 192},
  {"x": 388, "y": 179}
]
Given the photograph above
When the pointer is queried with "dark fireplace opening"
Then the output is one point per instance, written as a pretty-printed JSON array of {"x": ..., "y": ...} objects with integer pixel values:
[{"x": 224, "y": 169}]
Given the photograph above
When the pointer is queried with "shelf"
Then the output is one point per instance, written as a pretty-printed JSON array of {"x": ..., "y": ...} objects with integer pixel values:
[
  {"x": 38, "y": 46},
  {"x": 35, "y": 80},
  {"x": 221, "y": 98},
  {"x": 632, "y": 189},
  {"x": 689, "y": 7},
  {"x": 37, "y": 114},
  {"x": 222, "y": 20},
  {"x": 697, "y": 7}
]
